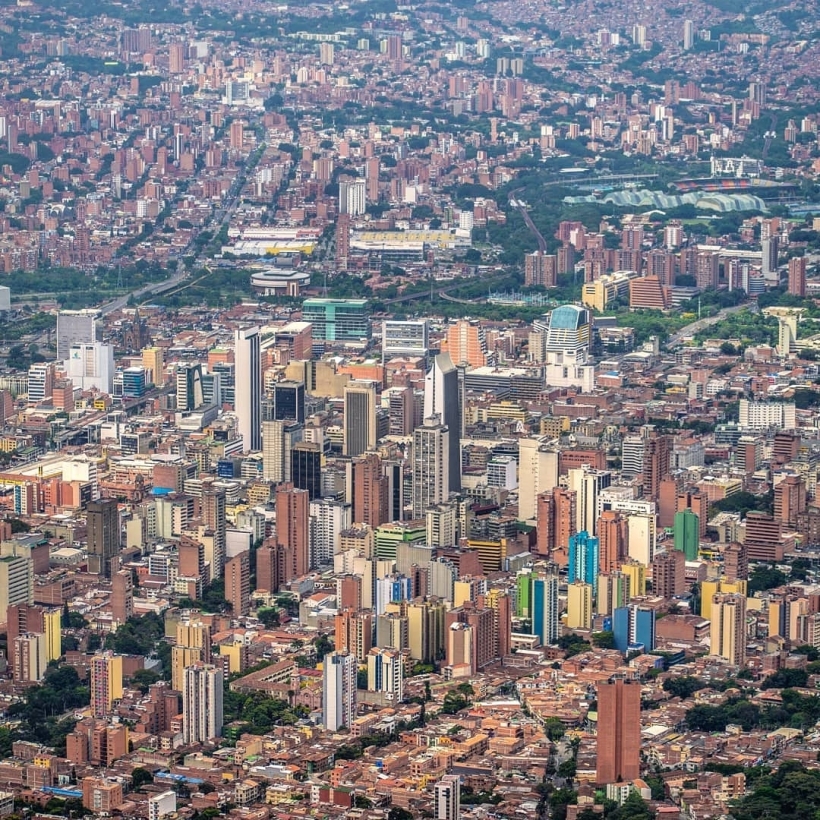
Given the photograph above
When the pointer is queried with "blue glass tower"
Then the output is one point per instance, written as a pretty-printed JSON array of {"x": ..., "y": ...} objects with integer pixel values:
[{"x": 583, "y": 559}]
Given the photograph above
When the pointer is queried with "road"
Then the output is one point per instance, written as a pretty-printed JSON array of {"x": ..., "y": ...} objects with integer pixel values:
[
  {"x": 694, "y": 327},
  {"x": 542, "y": 243}
]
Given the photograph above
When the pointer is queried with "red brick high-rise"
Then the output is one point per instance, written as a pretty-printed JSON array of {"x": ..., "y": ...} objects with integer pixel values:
[
  {"x": 237, "y": 583},
  {"x": 292, "y": 529},
  {"x": 122, "y": 596},
  {"x": 790, "y": 500},
  {"x": 370, "y": 491},
  {"x": 669, "y": 574},
  {"x": 797, "y": 276},
  {"x": 619, "y": 731},
  {"x": 613, "y": 538}
]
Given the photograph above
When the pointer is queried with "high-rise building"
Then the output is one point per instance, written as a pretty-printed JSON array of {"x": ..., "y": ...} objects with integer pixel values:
[
  {"x": 248, "y": 403},
  {"x": 193, "y": 644},
  {"x": 385, "y": 673},
  {"x": 431, "y": 466},
  {"x": 728, "y": 628},
  {"x": 16, "y": 583},
  {"x": 278, "y": 440},
  {"x": 442, "y": 525},
  {"x": 466, "y": 343},
  {"x": 122, "y": 596},
  {"x": 613, "y": 592},
  {"x": 103, "y": 521},
  {"x": 442, "y": 398},
  {"x": 339, "y": 690},
  {"x": 338, "y": 320},
  {"x": 106, "y": 682},
  {"x": 27, "y": 654},
  {"x": 584, "y": 559},
  {"x": 289, "y": 401},
  {"x": 797, "y": 276},
  {"x": 354, "y": 632},
  {"x": 359, "y": 417},
  {"x": 688, "y": 35},
  {"x": 202, "y": 701},
  {"x": 25, "y": 618},
  {"x": 306, "y": 467},
  {"x": 447, "y": 805},
  {"x": 619, "y": 732},
  {"x": 237, "y": 583},
  {"x": 352, "y": 197},
  {"x": 634, "y": 625},
  {"x": 587, "y": 484},
  {"x": 579, "y": 605},
  {"x": 189, "y": 392},
  {"x": 669, "y": 574},
  {"x": 328, "y": 519},
  {"x": 75, "y": 327},
  {"x": 790, "y": 500},
  {"x": 613, "y": 538},
  {"x": 425, "y": 629},
  {"x": 214, "y": 519},
  {"x": 405, "y": 338},
  {"x": 545, "y": 617},
  {"x": 293, "y": 529},
  {"x": 369, "y": 488},
  {"x": 686, "y": 534},
  {"x": 537, "y": 473}
]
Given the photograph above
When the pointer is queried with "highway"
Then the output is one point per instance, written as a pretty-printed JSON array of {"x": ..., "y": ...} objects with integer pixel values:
[{"x": 694, "y": 327}]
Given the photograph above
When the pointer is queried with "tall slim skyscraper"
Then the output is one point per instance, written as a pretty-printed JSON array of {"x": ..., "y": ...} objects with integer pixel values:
[
  {"x": 202, "y": 700},
  {"x": 442, "y": 398},
  {"x": 587, "y": 483},
  {"x": 368, "y": 490},
  {"x": 448, "y": 798},
  {"x": 103, "y": 520},
  {"x": 545, "y": 620},
  {"x": 583, "y": 559},
  {"x": 237, "y": 583},
  {"x": 360, "y": 417},
  {"x": 537, "y": 473},
  {"x": 278, "y": 440},
  {"x": 431, "y": 466},
  {"x": 688, "y": 35},
  {"x": 106, "y": 682},
  {"x": 213, "y": 516},
  {"x": 385, "y": 673},
  {"x": 293, "y": 529},
  {"x": 289, "y": 401},
  {"x": 619, "y": 731},
  {"x": 339, "y": 690},
  {"x": 306, "y": 467},
  {"x": 797, "y": 276},
  {"x": 248, "y": 360},
  {"x": 728, "y": 628}
]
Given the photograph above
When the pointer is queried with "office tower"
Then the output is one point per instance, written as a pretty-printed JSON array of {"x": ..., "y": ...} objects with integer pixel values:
[
  {"x": 545, "y": 620},
  {"x": 27, "y": 655},
  {"x": 613, "y": 536},
  {"x": 698, "y": 503},
  {"x": 16, "y": 583},
  {"x": 634, "y": 625},
  {"x": 91, "y": 366},
  {"x": 176, "y": 58},
  {"x": 278, "y": 440},
  {"x": 686, "y": 534},
  {"x": 122, "y": 596},
  {"x": 359, "y": 417},
  {"x": 328, "y": 519},
  {"x": 789, "y": 500},
  {"x": 369, "y": 488},
  {"x": 537, "y": 473},
  {"x": 613, "y": 592},
  {"x": 688, "y": 35},
  {"x": 579, "y": 605},
  {"x": 193, "y": 644},
  {"x": 153, "y": 359},
  {"x": 728, "y": 628},
  {"x": 655, "y": 468},
  {"x": 442, "y": 398},
  {"x": 425, "y": 629},
  {"x": 106, "y": 682},
  {"x": 237, "y": 584},
  {"x": 448, "y": 798},
  {"x": 103, "y": 520},
  {"x": 339, "y": 690},
  {"x": 619, "y": 732},
  {"x": 669, "y": 574},
  {"x": 587, "y": 484},
  {"x": 306, "y": 467},
  {"x": 583, "y": 559},
  {"x": 289, "y": 401},
  {"x": 431, "y": 466},
  {"x": 75, "y": 327},
  {"x": 213, "y": 517},
  {"x": 385, "y": 673},
  {"x": 400, "y": 411},
  {"x": 797, "y": 276},
  {"x": 248, "y": 388},
  {"x": 338, "y": 320},
  {"x": 202, "y": 703},
  {"x": 466, "y": 343},
  {"x": 293, "y": 529},
  {"x": 189, "y": 391},
  {"x": 405, "y": 338},
  {"x": 354, "y": 632}
]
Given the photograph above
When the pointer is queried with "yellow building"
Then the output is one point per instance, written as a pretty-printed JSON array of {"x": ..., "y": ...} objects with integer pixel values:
[
  {"x": 106, "y": 682},
  {"x": 425, "y": 629},
  {"x": 153, "y": 359},
  {"x": 708, "y": 589},
  {"x": 636, "y": 572},
  {"x": 554, "y": 426},
  {"x": 52, "y": 618},
  {"x": 491, "y": 554},
  {"x": 234, "y": 652},
  {"x": 599, "y": 294},
  {"x": 579, "y": 605},
  {"x": 193, "y": 643}
]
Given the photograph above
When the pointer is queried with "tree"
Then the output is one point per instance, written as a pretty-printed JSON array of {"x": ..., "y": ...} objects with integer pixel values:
[
  {"x": 398, "y": 813},
  {"x": 143, "y": 678},
  {"x": 140, "y": 777},
  {"x": 683, "y": 687}
]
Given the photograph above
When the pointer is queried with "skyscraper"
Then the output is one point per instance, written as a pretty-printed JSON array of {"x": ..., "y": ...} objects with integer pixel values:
[
  {"x": 669, "y": 574},
  {"x": 193, "y": 644},
  {"x": 686, "y": 533},
  {"x": 688, "y": 35},
  {"x": 797, "y": 276},
  {"x": 579, "y": 605},
  {"x": 278, "y": 440},
  {"x": 306, "y": 467},
  {"x": 537, "y": 473},
  {"x": 75, "y": 327},
  {"x": 385, "y": 673},
  {"x": 213, "y": 516},
  {"x": 122, "y": 596},
  {"x": 368, "y": 489},
  {"x": 248, "y": 404},
  {"x": 189, "y": 392},
  {"x": 633, "y": 625},
  {"x": 448, "y": 798},
  {"x": 339, "y": 690},
  {"x": 442, "y": 397},
  {"x": 289, "y": 401},
  {"x": 237, "y": 583},
  {"x": 359, "y": 417},
  {"x": 201, "y": 703},
  {"x": 613, "y": 539},
  {"x": 293, "y": 529},
  {"x": 728, "y": 628},
  {"x": 103, "y": 521},
  {"x": 431, "y": 466},
  {"x": 619, "y": 731},
  {"x": 545, "y": 620},
  {"x": 106, "y": 682},
  {"x": 466, "y": 343},
  {"x": 587, "y": 484}
]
